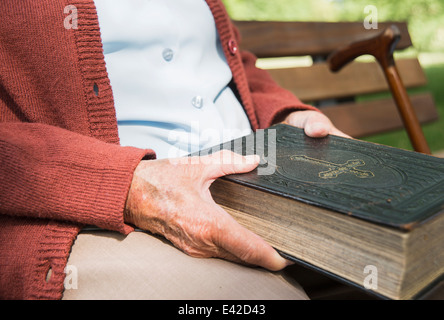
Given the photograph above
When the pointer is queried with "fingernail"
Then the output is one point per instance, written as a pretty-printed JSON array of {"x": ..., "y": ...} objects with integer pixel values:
[
  {"x": 317, "y": 128},
  {"x": 289, "y": 262},
  {"x": 253, "y": 158}
]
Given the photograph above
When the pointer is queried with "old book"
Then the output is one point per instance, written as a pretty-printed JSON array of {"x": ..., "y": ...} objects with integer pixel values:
[{"x": 368, "y": 214}]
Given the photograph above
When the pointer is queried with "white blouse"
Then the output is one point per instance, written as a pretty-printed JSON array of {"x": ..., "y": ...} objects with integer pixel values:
[{"x": 169, "y": 76}]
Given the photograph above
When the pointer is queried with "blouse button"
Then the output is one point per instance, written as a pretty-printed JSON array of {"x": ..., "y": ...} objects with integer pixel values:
[
  {"x": 168, "y": 54},
  {"x": 197, "y": 102},
  {"x": 232, "y": 46}
]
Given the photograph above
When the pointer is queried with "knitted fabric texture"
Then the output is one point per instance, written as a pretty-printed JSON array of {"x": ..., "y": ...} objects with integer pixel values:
[{"x": 62, "y": 166}]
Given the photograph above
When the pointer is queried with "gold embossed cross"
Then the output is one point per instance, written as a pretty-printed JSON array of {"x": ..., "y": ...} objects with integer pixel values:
[{"x": 336, "y": 169}]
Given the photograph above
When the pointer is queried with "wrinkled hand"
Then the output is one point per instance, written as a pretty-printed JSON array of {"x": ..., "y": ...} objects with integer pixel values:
[
  {"x": 173, "y": 199},
  {"x": 314, "y": 123}
]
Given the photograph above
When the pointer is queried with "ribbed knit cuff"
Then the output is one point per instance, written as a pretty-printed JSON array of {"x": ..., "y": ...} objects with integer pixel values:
[
  {"x": 104, "y": 200},
  {"x": 55, "y": 174}
]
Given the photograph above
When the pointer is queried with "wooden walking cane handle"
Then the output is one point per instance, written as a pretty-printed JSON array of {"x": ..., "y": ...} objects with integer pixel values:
[{"x": 382, "y": 47}]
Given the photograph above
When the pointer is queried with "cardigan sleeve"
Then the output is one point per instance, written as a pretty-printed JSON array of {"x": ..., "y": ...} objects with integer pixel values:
[
  {"x": 272, "y": 103},
  {"x": 53, "y": 173}
]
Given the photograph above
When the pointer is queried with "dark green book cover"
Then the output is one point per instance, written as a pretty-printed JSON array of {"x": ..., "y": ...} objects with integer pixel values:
[{"x": 380, "y": 184}]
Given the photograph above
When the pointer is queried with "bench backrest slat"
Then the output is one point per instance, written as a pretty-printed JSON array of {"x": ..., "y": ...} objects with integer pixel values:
[
  {"x": 279, "y": 39},
  {"x": 317, "y": 85},
  {"x": 316, "y": 82}
]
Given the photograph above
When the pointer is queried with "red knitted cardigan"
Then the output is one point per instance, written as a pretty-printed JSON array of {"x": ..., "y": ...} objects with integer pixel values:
[{"x": 61, "y": 163}]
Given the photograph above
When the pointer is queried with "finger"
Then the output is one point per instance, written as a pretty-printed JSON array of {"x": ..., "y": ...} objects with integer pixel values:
[
  {"x": 223, "y": 254},
  {"x": 317, "y": 125},
  {"x": 248, "y": 247},
  {"x": 339, "y": 133}
]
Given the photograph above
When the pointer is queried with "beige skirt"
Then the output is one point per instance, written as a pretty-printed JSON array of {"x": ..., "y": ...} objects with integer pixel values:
[{"x": 108, "y": 265}]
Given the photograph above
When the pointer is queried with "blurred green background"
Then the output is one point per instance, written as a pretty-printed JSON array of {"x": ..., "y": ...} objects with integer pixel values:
[{"x": 426, "y": 26}]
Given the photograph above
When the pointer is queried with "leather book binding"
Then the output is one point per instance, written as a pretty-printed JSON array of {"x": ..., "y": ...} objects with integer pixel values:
[{"x": 367, "y": 214}]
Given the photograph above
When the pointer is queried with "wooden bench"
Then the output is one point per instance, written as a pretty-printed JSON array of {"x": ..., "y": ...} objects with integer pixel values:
[{"x": 337, "y": 94}]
